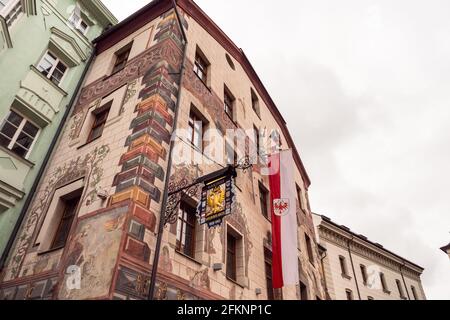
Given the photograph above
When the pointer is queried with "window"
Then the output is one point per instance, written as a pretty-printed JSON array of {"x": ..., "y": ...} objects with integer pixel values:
[
  {"x": 349, "y": 294},
  {"x": 414, "y": 292},
  {"x": 264, "y": 201},
  {"x": 62, "y": 233},
  {"x": 231, "y": 257},
  {"x": 310, "y": 249},
  {"x": 201, "y": 66},
  {"x": 303, "y": 291},
  {"x": 52, "y": 67},
  {"x": 299, "y": 197},
  {"x": 228, "y": 102},
  {"x": 122, "y": 58},
  {"x": 18, "y": 134},
  {"x": 186, "y": 230},
  {"x": 11, "y": 10},
  {"x": 400, "y": 289},
  {"x": 100, "y": 119},
  {"x": 363, "y": 273},
  {"x": 343, "y": 264},
  {"x": 231, "y": 154},
  {"x": 383, "y": 283},
  {"x": 77, "y": 21},
  {"x": 268, "y": 270},
  {"x": 255, "y": 103},
  {"x": 195, "y": 130}
]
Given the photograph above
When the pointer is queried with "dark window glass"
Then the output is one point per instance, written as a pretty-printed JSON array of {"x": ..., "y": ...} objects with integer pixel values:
[
  {"x": 256, "y": 136},
  {"x": 228, "y": 103},
  {"x": 310, "y": 249},
  {"x": 99, "y": 123},
  {"x": 303, "y": 291},
  {"x": 121, "y": 59},
  {"x": 343, "y": 265},
  {"x": 414, "y": 292},
  {"x": 383, "y": 282},
  {"x": 17, "y": 134},
  {"x": 264, "y": 201},
  {"x": 349, "y": 294},
  {"x": 255, "y": 103},
  {"x": 400, "y": 288},
  {"x": 195, "y": 131},
  {"x": 231, "y": 257},
  {"x": 364, "y": 273},
  {"x": 201, "y": 67},
  {"x": 186, "y": 230},
  {"x": 268, "y": 270}
]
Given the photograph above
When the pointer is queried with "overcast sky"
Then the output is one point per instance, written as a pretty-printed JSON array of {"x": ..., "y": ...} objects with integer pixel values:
[{"x": 364, "y": 86}]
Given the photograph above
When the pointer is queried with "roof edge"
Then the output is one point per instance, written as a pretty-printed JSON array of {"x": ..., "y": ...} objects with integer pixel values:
[
  {"x": 158, "y": 7},
  {"x": 360, "y": 237}
]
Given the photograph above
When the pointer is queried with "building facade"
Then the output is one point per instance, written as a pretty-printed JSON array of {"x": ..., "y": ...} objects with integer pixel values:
[
  {"x": 358, "y": 269},
  {"x": 446, "y": 249},
  {"x": 45, "y": 46},
  {"x": 96, "y": 213}
]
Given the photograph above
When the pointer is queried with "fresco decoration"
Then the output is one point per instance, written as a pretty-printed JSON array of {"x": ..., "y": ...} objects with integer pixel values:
[
  {"x": 165, "y": 260},
  {"x": 238, "y": 221},
  {"x": 94, "y": 248},
  {"x": 136, "y": 68},
  {"x": 73, "y": 170},
  {"x": 78, "y": 118},
  {"x": 39, "y": 289},
  {"x": 208, "y": 98},
  {"x": 130, "y": 93},
  {"x": 166, "y": 291},
  {"x": 209, "y": 243},
  {"x": 132, "y": 284},
  {"x": 199, "y": 279}
]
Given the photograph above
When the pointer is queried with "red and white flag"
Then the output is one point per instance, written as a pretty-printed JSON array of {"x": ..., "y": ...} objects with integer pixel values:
[{"x": 284, "y": 219}]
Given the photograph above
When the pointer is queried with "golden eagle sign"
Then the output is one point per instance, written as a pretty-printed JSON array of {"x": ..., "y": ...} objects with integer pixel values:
[{"x": 218, "y": 197}]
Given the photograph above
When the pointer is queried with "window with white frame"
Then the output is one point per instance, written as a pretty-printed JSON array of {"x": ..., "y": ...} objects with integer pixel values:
[
  {"x": 11, "y": 10},
  {"x": 18, "y": 134},
  {"x": 77, "y": 21},
  {"x": 52, "y": 67}
]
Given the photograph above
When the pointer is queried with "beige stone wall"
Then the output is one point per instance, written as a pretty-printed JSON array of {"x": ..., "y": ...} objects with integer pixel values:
[{"x": 98, "y": 164}]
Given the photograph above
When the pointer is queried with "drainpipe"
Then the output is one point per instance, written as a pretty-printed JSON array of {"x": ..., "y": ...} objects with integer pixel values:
[
  {"x": 403, "y": 278},
  {"x": 353, "y": 267},
  {"x": 45, "y": 164},
  {"x": 151, "y": 291},
  {"x": 322, "y": 258}
]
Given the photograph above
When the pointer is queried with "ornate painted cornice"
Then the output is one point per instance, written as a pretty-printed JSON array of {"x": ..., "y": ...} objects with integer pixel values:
[{"x": 100, "y": 11}]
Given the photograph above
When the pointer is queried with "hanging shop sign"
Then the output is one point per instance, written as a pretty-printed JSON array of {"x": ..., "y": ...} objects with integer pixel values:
[{"x": 218, "y": 197}]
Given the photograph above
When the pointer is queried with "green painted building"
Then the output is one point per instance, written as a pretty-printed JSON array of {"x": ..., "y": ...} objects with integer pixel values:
[{"x": 45, "y": 47}]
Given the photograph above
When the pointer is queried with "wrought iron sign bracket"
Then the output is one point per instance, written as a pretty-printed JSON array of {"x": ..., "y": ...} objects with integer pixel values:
[{"x": 180, "y": 189}]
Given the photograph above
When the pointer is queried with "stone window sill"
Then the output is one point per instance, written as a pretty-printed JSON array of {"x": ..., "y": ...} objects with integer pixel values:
[
  {"x": 345, "y": 276},
  {"x": 236, "y": 282},
  {"x": 19, "y": 158},
  {"x": 189, "y": 258},
  {"x": 64, "y": 93}
]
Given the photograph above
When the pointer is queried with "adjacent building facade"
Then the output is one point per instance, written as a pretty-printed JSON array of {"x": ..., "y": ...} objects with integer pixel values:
[
  {"x": 358, "y": 269},
  {"x": 96, "y": 212},
  {"x": 44, "y": 49}
]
